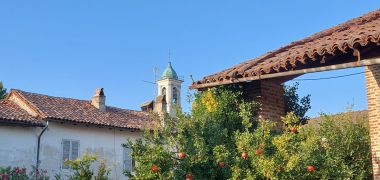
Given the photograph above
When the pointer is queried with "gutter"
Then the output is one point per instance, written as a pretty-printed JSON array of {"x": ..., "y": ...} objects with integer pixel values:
[
  {"x": 38, "y": 147},
  {"x": 364, "y": 62}
]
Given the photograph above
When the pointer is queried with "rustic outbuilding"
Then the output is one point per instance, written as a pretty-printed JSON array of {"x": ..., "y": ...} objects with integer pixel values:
[{"x": 351, "y": 44}]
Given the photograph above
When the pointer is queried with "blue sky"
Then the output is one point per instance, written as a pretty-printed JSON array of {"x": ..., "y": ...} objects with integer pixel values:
[{"x": 68, "y": 48}]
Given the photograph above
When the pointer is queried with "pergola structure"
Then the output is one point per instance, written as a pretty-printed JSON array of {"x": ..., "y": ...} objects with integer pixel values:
[{"x": 351, "y": 44}]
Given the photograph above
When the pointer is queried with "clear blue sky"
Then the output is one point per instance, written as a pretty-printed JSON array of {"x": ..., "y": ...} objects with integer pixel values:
[{"x": 68, "y": 48}]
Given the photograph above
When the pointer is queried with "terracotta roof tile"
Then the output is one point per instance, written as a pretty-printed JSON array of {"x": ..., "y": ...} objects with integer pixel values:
[
  {"x": 81, "y": 111},
  {"x": 342, "y": 38},
  {"x": 10, "y": 113},
  {"x": 354, "y": 115}
]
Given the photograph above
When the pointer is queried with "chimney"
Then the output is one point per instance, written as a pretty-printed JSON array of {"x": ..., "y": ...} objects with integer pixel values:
[{"x": 99, "y": 100}]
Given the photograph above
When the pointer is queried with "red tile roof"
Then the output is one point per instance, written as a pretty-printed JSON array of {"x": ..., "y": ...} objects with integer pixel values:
[
  {"x": 10, "y": 113},
  {"x": 81, "y": 111},
  {"x": 354, "y": 115},
  {"x": 341, "y": 39}
]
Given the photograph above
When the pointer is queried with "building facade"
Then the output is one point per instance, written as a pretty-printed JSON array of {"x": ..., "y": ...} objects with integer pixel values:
[{"x": 73, "y": 127}]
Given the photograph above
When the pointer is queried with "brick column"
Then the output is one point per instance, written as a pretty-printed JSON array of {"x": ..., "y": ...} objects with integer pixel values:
[
  {"x": 372, "y": 74},
  {"x": 270, "y": 94}
]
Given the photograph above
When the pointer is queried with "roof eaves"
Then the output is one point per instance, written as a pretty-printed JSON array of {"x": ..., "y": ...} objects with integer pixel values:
[
  {"x": 20, "y": 122},
  {"x": 91, "y": 123}
]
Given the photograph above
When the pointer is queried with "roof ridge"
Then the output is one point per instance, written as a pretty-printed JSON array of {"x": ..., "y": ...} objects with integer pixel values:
[
  {"x": 33, "y": 93},
  {"x": 125, "y": 109},
  {"x": 78, "y": 111},
  {"x": 87, "y": 101}
]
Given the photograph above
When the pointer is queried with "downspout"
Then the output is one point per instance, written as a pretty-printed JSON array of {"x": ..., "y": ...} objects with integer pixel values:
[{"x": 38, "y": 147}]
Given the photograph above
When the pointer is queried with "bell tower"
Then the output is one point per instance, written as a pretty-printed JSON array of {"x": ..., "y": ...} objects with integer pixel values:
[{"x": 169, "y": 91}]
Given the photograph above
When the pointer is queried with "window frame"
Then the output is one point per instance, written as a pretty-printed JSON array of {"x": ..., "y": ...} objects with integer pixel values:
[
  {"x": 132, "y": 161},
  {"x": 63, "y": 167},
  {"x": 175, "y": 95}
]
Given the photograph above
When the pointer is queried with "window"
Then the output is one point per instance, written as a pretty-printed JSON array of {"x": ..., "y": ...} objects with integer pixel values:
[
  {"x": 175, "y": 95},
  {"x": 128, "y": 162},
  {"x": 163, "y": 92},
  {"x": 70, "y": 151}
]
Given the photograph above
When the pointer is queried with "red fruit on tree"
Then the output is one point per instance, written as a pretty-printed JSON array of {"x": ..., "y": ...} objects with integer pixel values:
[
  {"x": 189, "y": 176},
  {"x": 154, "y": 168},
  {"x": 181, "y": 155},
  {"x": 310, "y": 168},
  {"x": 244, "y": 155},
  {"x": 258, "y": 151},
  {"x": 221, "y": 164},
  {"x": 293, "y": 130}
]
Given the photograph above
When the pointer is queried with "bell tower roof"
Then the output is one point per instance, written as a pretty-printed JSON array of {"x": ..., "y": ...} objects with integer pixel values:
[{"x": 169, "y": 72}]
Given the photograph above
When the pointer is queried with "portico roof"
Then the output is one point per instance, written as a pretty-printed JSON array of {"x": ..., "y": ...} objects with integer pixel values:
[{"x": 347, "y": 42}]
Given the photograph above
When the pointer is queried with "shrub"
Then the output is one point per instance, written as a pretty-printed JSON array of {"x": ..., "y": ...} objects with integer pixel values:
[
  {"x": 17, "y": 173},
  {"x": 336, "y": 148},
  {"x": 82, "y": 168},
  {"x": 13, "y": 173},
  {"x": 103, "y": 171},
  {"x": 222, "y": 139}
]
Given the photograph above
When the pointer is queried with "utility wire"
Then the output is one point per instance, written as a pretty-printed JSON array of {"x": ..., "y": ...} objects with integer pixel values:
[{"x": 333, "y": 77}]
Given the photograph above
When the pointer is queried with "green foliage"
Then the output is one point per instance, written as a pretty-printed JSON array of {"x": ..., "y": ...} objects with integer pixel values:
[
  {"x": 103, "y": 171},
  {"x": 206, "y": 136},
  {"x": 223, "y": 139},
  {"x": 338, "y": 148},
  {"x": 3, "y": 91},
  {"x": 82, "y": 168},
  {"x": 15, "y": 173},
  {"x": 344, "y": 146},
  {"x": 293, "y": 103}
]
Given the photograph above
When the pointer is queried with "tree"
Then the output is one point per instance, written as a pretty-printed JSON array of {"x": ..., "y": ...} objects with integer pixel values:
[
  {"x": 293, "y": 103},
  {"x": 3, "y": 91},
  {"x": 336, "y": 148},
  {"x": 222, "y": 139},
  {"x": 200, "y": 144}
]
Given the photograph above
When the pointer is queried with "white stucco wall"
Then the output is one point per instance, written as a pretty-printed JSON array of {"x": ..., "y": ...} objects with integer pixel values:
[{"x": 18, "y": 146}]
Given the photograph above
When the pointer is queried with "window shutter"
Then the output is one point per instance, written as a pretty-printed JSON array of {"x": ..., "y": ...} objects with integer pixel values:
[
  {"x": 74, "y": 150},
  {"x": 65, "y": 152},
  {"x": 128, "y": 165}
]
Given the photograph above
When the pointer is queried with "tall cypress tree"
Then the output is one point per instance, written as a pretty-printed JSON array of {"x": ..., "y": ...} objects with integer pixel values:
[{"x": 3, "y": 91}]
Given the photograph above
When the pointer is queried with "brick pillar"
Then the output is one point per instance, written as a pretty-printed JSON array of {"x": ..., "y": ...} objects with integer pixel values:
[
  {"x": 372, "y": 74},
  {"x": 270, "y": 94}
]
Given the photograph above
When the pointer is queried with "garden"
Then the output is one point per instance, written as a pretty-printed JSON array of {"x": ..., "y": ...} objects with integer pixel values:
[{"x": 222, "y": 138}]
